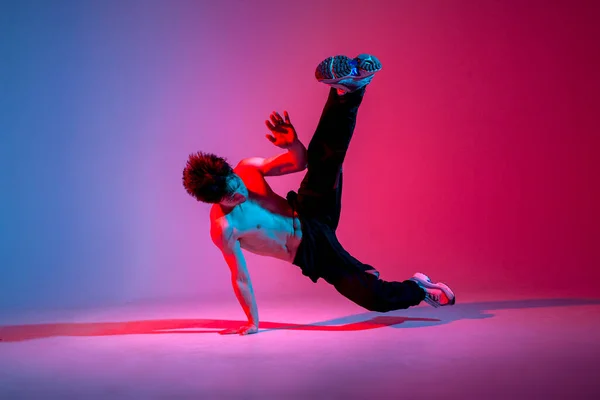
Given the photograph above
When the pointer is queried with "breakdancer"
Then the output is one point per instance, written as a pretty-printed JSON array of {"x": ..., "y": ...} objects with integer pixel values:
[{"x": 301, "y": 229}]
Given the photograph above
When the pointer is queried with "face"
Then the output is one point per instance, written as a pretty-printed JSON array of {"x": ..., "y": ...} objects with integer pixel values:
[{"x": 239, "y": 192}]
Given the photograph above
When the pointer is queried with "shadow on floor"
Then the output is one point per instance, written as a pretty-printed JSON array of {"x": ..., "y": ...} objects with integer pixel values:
[
  {"x": 461, "y": 311},
  {"x": 419, "y": 317}
]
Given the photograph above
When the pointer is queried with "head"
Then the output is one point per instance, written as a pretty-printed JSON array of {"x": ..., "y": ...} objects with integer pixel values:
[{"x": 210, "y": 179}]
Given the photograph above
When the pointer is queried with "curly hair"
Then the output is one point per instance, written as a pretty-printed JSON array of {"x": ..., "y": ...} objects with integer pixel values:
[{"x": 205, "y": 177}]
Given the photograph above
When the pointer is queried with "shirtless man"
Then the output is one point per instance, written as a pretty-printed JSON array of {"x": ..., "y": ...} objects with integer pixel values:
[{"x": 247, "y": 214}]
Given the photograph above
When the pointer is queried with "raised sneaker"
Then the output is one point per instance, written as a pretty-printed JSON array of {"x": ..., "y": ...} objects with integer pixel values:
[{"x": 347, "y": 74}]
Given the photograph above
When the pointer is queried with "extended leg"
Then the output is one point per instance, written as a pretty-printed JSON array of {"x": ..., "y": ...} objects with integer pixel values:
[
  {"x": 378, "y": 295},
  {"x": 329, "y": 144},
  {"x": 320, "y": 190},
  {"x": 356, "y": 280}
]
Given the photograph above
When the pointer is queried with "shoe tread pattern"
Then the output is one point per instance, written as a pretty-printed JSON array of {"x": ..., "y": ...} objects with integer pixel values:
[
  {"x": 333, "y": 68},
  {"x": 368, "y": 63}
]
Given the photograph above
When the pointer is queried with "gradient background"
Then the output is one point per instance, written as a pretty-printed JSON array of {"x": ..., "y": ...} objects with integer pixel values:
[{"x": 474, "y": 157}]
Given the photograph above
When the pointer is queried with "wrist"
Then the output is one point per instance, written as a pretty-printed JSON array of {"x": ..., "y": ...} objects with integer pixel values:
[
  {"x": 298, "y": 151},
  {"x": 296, "y": 145}
]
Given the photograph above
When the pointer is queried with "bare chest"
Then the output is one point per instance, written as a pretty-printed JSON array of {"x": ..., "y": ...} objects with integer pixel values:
[
  {"x": 254, "y": 219},
  {"x": 265, "y": 231}
]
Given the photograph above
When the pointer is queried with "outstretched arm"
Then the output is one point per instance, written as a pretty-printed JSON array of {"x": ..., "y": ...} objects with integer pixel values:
[
  {"x": 240, "y": 279},
  {"x": 283, "y": 135}
]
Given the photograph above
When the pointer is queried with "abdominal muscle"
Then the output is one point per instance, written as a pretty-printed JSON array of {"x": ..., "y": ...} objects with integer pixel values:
[{"x": 261, "y": 231}]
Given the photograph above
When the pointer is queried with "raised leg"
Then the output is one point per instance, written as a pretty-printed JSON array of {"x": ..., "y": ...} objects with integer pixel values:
[{"x": 320, "y": 190}]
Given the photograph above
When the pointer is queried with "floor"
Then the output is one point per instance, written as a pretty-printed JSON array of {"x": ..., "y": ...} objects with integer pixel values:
[{"x": 511, "y": 348}]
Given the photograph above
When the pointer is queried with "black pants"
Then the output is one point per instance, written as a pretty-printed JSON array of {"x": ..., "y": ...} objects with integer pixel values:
[{"x": 318, "y": 203}]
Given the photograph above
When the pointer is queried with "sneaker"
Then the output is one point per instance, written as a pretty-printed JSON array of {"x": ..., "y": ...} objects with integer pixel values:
[
  {"x": 436, "y": 294},
  {"x": 346, "y": 74}
]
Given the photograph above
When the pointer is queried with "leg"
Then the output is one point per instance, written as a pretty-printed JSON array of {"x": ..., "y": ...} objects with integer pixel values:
[
  {"x": 357, "y": 282},
  {"x": 320, "y": 190},
  {"x": 321, "y": 255},
  {"x": 375, "y": 294}
]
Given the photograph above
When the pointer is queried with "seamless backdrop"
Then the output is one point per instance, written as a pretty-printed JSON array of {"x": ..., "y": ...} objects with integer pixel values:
[{"x": 474, "y": 156}]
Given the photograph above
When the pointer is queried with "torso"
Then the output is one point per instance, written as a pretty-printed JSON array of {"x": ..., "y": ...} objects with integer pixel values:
[{"x": 264, "y": 224}]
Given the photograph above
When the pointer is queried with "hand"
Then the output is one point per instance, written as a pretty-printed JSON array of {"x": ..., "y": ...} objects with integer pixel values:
[
  {"x": 247, "y": 329},
  {"x": 283, "y": 134}
]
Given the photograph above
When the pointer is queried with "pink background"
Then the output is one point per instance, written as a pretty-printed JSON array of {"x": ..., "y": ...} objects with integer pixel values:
[{"x": 474, "y": 157}]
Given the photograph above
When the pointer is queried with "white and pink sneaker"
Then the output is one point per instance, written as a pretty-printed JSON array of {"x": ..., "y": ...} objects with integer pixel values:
[{"x": 436, "y": 294}]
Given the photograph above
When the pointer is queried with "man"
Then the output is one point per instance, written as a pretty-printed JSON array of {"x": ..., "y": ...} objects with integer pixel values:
[{"x": 247, "y": 214}]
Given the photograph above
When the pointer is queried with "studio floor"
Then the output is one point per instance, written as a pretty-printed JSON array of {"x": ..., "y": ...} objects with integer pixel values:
[{"x": 522, "y": 347}]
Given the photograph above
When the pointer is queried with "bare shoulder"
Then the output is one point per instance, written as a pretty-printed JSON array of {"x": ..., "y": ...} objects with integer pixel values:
[
  {"x": 251, "y": 162},
  {"x": 250, "y": 170},
  {"x": 221, "y": 228},
  {"x": 250, "y": 167}
]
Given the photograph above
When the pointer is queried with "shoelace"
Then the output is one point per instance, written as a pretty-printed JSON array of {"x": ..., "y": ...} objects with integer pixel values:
[{"x": 433, "y": 296}]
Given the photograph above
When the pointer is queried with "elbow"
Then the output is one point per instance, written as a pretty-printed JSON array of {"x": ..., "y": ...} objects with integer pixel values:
[
  {"x": 240, "y": 280},
  {"x": 302, "y": 162},
  {"x": 302, "y": 166}
]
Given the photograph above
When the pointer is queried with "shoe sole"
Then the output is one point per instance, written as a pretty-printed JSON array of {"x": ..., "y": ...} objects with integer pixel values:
[
  {"x": 425, "y": 281},
  {"x": 368, "y": 63},
  {"x": 334, "y": 69}
]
